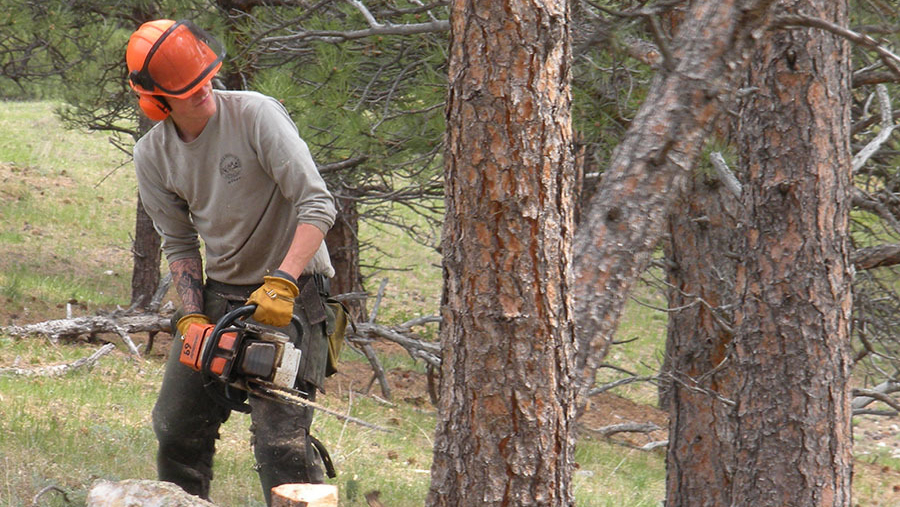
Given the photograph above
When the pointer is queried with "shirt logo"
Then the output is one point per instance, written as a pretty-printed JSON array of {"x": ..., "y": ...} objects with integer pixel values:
[{"x": 230, "y": 168}]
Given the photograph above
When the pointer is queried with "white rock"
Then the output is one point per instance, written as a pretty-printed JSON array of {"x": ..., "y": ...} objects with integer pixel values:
[{"x": 141, "y": 493}]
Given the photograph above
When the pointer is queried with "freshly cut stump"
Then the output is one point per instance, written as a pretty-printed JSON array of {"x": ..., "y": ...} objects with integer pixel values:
[{"x": 305, "y": 495}]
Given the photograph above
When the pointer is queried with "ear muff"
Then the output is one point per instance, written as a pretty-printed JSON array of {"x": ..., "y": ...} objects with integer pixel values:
[{"x": 156, "y": 108}]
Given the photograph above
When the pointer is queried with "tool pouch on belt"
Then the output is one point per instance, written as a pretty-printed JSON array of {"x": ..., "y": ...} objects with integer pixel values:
[
  {"x": 313, "y": 343},
  {"x": 328, "y": 319},
  {"x": 335, "y": 329}
]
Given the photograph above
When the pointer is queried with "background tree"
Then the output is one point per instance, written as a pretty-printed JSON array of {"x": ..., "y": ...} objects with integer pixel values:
[
  {"x": 698, "y": 374},
  {"x": 506, "y": 405},
  {"x": 792, "y": 324},
  {"x": 624, "y": 219},
  {"x": 696, "y": 359}
]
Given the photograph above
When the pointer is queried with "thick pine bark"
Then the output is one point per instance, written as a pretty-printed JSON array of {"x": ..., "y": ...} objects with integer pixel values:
[
  {"x": 792, "y": 326},
  {"x": 506, "y": 405},
  {"x": 343, "y": 246},
  {"x": 701, "y": 254},
  {"x": 625, "y": 218}
]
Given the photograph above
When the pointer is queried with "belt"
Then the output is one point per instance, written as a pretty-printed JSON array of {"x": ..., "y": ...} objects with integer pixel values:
[{"x": 235, "y": 292}]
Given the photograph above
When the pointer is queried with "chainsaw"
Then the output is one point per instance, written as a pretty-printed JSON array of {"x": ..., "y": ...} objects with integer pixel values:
[{"x": 251, "y": 358}]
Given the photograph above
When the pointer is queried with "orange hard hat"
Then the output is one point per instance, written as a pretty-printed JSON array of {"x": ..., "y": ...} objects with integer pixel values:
[{"x": 171, "y": 59}]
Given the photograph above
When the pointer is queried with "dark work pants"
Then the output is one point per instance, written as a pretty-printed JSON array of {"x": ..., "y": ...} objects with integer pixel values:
[{"x": 186, "y": 420}]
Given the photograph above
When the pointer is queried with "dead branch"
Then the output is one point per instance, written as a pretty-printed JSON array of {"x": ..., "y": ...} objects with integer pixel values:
[
  {"x": 889, "y": 59},
  {"x": 654, "y": 445},
  {"x": 160, "y": 293},
  {"x": 365, "y": 346},
  {"x": 869, "y": 203},
  {"x": 887, "y": 128},
  {"x": 57, "y": 370},
  {"x": 631, "y": 427},
  {"x": 876, "y": 256},
  {"x": 121, "y": 324},
  {"x": 417, "y": 349},
  {"x": 336, "y": 36},
  {"x": 363, "y": 334},
  {"x": 48, "y": 489},
  {"x": 863, "y": 397},
  {"x": 694, "y": 385},
  {"x": 622, "y": 382},
  {"x": 879, "y": 413}
]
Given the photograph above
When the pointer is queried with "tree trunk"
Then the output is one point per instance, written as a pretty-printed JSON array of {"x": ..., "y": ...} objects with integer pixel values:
[
  {"x": 147, "y": 255},
  {"x": 506, "y": 405},
  {"x": 145, "y": 249},
  {"x": 343, "y": 246},
  {"x": 649, "y": 168},
  {"x": 701, "y": 255},
  {"x": 792, "y": 325}
]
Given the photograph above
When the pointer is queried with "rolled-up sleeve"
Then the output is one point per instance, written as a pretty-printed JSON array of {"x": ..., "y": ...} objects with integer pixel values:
[{"x": 287, "y": 158}]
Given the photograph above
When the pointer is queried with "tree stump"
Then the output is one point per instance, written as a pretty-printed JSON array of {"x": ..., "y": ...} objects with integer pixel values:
[{"x": 305, "y": 495}]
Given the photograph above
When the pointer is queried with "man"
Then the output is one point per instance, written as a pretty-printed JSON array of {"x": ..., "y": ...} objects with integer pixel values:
[{"x": 231, "y": 168}]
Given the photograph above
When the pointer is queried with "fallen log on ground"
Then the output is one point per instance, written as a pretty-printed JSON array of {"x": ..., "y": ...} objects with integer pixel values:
[
  {"x": 120, "y": 322},
  {"x": 124, "y": 323}
]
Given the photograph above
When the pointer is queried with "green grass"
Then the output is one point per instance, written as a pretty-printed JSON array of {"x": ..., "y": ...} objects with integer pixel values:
[
  {"x": 414, "y": 279},
  {"x": 67, "y": 205}
]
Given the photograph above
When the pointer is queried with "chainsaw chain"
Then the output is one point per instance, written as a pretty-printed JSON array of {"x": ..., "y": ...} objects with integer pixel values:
[{"x": 285, "y": 395}]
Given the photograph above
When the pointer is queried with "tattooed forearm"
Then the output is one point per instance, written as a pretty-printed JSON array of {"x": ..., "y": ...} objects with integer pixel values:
[{"x": 187, "y": 275}]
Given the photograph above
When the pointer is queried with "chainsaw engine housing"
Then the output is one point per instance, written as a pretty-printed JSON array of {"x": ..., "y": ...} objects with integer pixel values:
[{"x": 240, "y": 353}]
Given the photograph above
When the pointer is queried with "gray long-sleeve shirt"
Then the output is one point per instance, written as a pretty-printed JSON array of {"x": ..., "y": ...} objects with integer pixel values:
[{"x": 244, "y": 185}]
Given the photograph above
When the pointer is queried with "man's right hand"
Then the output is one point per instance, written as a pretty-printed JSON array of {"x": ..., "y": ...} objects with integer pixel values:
[{"x": 191, "y": 318}]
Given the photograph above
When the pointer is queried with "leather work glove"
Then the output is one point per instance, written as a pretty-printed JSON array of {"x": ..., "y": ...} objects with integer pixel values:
[
  {"x": 191, "y": 318},
  {"x": 274, "y": 300}
]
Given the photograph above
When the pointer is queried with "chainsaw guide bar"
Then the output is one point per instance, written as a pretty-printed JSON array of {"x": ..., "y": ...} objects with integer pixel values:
[{"x": 292, "y": 396}]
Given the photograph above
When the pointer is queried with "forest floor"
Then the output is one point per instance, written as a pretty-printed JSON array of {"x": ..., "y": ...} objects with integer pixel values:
[{"x": 876, "y": 438}]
